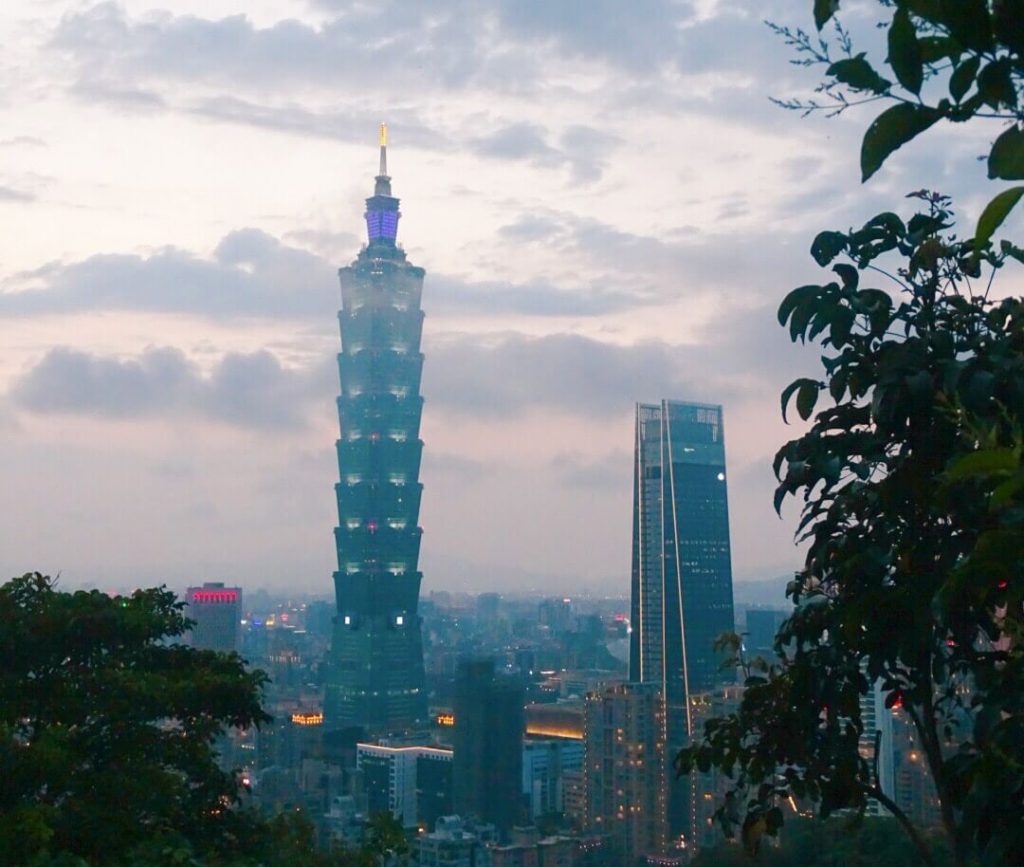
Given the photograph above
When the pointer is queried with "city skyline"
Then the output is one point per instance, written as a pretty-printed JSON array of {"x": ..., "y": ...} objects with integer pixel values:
[{"x": 609, "y": 208}]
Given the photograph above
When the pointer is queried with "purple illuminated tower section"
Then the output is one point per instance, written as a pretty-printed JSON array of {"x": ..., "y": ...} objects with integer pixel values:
[{"x": 375, "y": 678}]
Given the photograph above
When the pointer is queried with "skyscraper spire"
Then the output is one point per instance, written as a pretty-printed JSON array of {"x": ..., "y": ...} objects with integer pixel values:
[{"x": 382, "y": 183}]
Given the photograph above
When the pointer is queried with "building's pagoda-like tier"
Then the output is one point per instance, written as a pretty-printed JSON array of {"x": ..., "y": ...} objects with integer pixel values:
[{"x": 376, "y": 672}]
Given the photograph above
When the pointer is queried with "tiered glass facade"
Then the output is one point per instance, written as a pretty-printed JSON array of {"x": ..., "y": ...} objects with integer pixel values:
[
  {"x": 376, "y": 671},
  {"x": 682, "y": 575}
]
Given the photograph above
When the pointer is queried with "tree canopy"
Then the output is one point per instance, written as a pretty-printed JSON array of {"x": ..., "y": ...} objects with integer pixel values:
[
  {"x": 107, "y": 728},
  {"x": 838, "y": 842},
  {"x": 947, "y": 60},
  {"x": 910, "y": 476},
  {"x": 107, "y": 742}
]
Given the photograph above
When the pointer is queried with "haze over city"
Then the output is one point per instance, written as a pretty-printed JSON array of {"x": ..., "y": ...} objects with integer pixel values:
[{"x": 607, "y": 205}]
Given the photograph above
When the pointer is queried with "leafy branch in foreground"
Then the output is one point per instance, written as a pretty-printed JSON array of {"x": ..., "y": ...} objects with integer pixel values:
[
  {"x": 912, "y": 490},
  {"x": 952, "y": 61}
]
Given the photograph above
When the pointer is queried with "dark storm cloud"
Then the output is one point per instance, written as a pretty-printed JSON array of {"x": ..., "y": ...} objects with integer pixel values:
[
  {"x": 249, "y": 274},
  {"x": 249, "y": 390}
]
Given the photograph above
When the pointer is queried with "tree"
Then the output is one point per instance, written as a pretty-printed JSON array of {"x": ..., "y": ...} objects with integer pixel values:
[
  {"x": 911, "y": 477},
  {"x": 949, "y": 60},
  {"x": 912, "y": 486},
  {"x": 107, "y": 729},
  {"x": 872, "y": 842}
]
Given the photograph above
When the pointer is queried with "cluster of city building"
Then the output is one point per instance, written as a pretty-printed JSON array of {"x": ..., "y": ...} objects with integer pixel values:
[{"x": 498, "y": 731}]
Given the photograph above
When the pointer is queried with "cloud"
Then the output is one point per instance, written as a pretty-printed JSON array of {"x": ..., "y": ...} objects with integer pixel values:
[
  {"x": 347, "y": 124},
  {"x": 26, "y": 141},
  {"x": 362, "y": 45},
  {"x": 465, "y": 470},
  {"x": 253, "y": 274},
  {"x": 604, "y": 30},
  {"x": 450, "y": 295},
  {"x": 7, "y": 194},
  {"x": 299, "y": 77},
  {"x": 251, "y": 390},
  {"x": 493, "y": 377},
  {"x": 583, "y": 149},
  {"x": 633, "y": 270},
  {"x": 520, "y": 141},
  {"x": 610, "y": 471},
  {"x": 250, "y": 273}
]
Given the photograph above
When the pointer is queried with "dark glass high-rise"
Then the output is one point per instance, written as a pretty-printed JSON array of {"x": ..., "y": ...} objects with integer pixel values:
[
  {"x": 681, "y": 595},
  {"x": 682, "y": 574},
  {"x": 375, "y": 675}
]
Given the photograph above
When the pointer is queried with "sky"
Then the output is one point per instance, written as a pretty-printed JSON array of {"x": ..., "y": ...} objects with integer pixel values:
[{"x": 607, "y": 205}]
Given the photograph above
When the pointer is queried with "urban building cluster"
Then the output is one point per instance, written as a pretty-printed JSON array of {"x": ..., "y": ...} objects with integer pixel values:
[{"x": 500, "y": 730}]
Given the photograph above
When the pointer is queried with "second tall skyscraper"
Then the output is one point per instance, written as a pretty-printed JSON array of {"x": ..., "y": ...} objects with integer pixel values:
[{"x": 681, "y": 595}]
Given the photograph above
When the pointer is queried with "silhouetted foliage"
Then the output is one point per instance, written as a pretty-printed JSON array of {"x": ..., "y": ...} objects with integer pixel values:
[
  {"x": 810, "y": 843},
  {"x": 911, "y": 481},
  {"x": 911, "y": 477},
  {"x": 106, "y": 730},
  {"x": 107, "y": 733},
  {"x": 952, "y": 61}
]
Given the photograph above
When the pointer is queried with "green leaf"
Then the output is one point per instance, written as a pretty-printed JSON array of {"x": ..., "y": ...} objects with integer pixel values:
[
  {"x": 969, "y": 23},
  {"x": 1007, "y": 16},
  {"x": 994, "y": 214},
  {"x": 935, "y": 48},
  {"x": 807, "y": 395},
  {"x": 826, "y": 246},
  {"x": 858, "y": 74},
  {"x": 995, "y": 84},
  {"x": 1006, "y": 159},
  {"x": 904, "y": 52},
  {"x": 823, "y": 11},
  {"x": 1011, "y": 250},
  {"x": 963, "y": 77},
  {"x": 892, "y": 129},
  {"x": 984, "y": 463},
  {"x": 848, "y": 274},
  {"x": 793, "y": 300}
]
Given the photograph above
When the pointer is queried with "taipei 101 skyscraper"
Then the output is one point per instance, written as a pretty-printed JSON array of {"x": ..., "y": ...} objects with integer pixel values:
[{"x": 375, "y": 675}]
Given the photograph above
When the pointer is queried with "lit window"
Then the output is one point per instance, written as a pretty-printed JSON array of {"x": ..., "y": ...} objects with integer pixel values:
[
  {"x": 400, "y": 620},
  {"x": 348, "y": 619}
]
